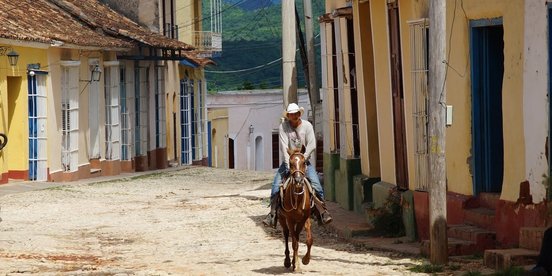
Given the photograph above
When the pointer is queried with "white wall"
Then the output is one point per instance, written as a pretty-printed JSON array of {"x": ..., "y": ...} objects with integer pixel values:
[
  {"x": 535, "y": 101},
  {"x": 261, "y": 109}
]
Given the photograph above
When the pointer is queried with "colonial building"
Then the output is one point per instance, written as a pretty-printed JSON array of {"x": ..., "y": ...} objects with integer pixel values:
[
  {"x": 86, "y": 96},
  {"x": 375, "y": 76}
]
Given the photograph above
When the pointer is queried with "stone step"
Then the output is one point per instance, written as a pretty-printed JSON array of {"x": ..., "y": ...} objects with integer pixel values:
[
  {"x": 531, "y": 237},
  {"x": 501, "y": 259},
  {"x": 482, "y": 217},
  {"x": 483, "y": 239},
  {"x": 456, "y": 247}
]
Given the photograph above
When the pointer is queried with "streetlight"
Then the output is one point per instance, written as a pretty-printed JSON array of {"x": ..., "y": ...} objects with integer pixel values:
[
  {"x": 13, "y": 56},
  {"x": 251, "y": 129},
  {"x": 96, "y": 73}
]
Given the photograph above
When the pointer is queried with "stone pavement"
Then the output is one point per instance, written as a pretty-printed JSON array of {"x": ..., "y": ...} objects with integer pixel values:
[
  {"x": 16, "y": 186},
  {"x": 348, "y": 225},
  {"x": 354, "y": 228}
]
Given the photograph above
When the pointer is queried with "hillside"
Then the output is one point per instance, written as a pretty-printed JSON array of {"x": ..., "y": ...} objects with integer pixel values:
[{"x": 252, "y": 46}]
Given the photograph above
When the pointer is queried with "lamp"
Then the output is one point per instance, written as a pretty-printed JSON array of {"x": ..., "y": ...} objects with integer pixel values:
[
  {"x": 13, "y": 56},
  {"x": 251, "y": 128},
  {"x": 96, "y": 73}
]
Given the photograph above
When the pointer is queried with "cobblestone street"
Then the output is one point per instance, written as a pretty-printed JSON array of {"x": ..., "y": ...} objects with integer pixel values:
[{"x": 194, "y": 221}]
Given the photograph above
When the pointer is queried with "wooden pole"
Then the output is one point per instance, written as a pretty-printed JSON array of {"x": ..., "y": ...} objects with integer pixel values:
[
  {"x": 437, "y": 112},
  {"x": 311, "y": 56},
  {"x": 289, "y": 41}
]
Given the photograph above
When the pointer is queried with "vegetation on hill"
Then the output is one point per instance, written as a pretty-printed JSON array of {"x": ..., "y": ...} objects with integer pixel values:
[{"x": 252, "y": 45}]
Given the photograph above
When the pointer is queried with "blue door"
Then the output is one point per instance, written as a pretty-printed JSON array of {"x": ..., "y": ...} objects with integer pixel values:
[{"x": 487, "y": 60}]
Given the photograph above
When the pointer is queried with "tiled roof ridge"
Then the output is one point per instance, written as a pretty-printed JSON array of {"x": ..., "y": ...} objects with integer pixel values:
[
  {"x": 161, "y": 41},
  {"x": 42, "y": 21}
]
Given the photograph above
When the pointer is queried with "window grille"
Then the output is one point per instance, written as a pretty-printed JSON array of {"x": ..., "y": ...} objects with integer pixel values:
[
  {"x": 419, "y": 72},
  {"x": 141, "y": 85},
  {"x": 329, "y": 88},
  {"x": 112, "y": 126},
  {"x": 186, "y": 90},
  {"x": 69, "y": 115},
  {"x": 200, "y": 121},
  {"x": 160, "y": 113},
  {"x": 38, "y": 162},
  {"x": 126, "y": 129}
]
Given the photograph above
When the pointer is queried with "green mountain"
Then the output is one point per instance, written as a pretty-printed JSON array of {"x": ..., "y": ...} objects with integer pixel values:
[{"x": 252, "y": 45}]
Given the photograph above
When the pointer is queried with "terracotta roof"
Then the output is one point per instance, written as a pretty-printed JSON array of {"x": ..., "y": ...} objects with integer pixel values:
[
  {"x": 86, "y": 23},
  {"x": 41, "y": 21},
  {"x": 100, "y": 16}
]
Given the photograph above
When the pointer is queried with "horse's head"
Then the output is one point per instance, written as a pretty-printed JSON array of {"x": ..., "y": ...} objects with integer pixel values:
[{"x": 297, "y": 166}]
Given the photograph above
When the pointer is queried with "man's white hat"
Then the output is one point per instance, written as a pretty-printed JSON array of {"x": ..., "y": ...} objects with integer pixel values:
[{"x": 293, "y": 108}]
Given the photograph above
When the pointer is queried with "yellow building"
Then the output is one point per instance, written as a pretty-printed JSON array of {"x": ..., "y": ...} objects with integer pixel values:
[
  {"x": 83, "y": 103},
  {"x": 375, "y": 75}
]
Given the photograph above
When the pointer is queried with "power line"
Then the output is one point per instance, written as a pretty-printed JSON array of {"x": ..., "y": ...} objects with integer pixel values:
[{"x": 244, "y": 70}]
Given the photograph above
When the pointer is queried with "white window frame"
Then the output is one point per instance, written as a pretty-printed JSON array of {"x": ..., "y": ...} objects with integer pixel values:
[
  {"x": 39, "y": 113},
  {"x": 160, "y": 108},
  {"x": 70, "y": 115},
  {"x": 112, "y": 111},
  {"x": 419, "y": 72},
  {"x": 186, "y": 90},
  {"x": 141, "y": 83},
  {"x": 126, "y": 100}
]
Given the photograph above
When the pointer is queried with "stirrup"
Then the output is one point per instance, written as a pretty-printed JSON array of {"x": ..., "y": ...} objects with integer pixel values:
[
  {"x": 325, "y": 217},
  {"x": 270, "y": 220}
]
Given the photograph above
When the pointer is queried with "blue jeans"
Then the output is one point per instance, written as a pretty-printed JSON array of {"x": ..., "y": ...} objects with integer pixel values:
[{"x": 311, "y": 175}]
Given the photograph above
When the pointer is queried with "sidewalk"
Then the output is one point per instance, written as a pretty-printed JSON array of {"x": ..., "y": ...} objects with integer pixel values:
[
  {"x": 15, "y": 186},
  {"x": 355, "y": 229},
  {"x": 348, "y": 225}
]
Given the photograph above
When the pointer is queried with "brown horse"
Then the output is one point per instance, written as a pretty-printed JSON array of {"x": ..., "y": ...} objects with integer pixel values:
[{"x": 295, "y": 212}]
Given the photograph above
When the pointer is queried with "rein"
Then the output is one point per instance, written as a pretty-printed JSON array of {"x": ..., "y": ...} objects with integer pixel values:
[{"x": 294, "y": 194}]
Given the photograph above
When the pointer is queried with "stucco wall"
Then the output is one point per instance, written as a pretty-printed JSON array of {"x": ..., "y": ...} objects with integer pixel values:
[
  {"x": 535, "y": 100},
  {"x": 459, "y": 94},
  {"x": 383, "y": 90},
  {"x": 260, "y": 109},
  {"x": 186, "y": 18},
  {"x": 14, "y": 108},
  {"x": 219, "y": 129}
]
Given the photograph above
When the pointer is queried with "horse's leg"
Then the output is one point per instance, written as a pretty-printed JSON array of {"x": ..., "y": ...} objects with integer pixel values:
[
  {"x": 295, "y": 245},
  {"x": 287, "y": 261},
  {"x": 306, "y": 258}
]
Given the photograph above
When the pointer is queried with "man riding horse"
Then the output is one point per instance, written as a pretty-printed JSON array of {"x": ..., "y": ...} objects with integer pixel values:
[{"x": 294, "y": 134}]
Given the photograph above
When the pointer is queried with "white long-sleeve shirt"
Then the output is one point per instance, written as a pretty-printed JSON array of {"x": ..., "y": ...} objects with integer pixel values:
[{"x": 295, "y": 138}]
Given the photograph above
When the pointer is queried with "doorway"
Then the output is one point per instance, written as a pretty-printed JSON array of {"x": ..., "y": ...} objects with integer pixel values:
[
  {"x": 401, "y": 168},
  {"x": 487, "y": 59}
]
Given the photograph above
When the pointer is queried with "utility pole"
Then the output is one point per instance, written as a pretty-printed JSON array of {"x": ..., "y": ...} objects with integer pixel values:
[
  {"x": 437, "y": 111},
  {"x": 289, "y": 70},
  {"x": 309, "y": 36},
  {"x": 303, "y": 52}
]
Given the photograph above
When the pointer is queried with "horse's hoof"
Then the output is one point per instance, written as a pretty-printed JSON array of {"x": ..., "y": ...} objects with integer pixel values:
[
  {"x": 305, "y": 260},
  {"x": 287, "y": 263}
]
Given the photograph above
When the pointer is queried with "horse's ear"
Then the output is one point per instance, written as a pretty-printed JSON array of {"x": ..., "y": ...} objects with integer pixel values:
[
  {"x": 303, "y": 149},
  {"x": 290, "y": 151}
]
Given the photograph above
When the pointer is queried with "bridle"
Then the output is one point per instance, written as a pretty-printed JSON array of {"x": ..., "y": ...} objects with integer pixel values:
[{"x": 296, "y": 179}]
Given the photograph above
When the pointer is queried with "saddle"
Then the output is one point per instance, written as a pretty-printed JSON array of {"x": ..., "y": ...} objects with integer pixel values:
[{"x": 314, "y": 200}]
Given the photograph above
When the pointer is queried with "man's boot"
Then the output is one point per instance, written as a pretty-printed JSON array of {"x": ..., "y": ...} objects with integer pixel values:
[
  {"x": 324, "y": 215},
  {"x": 270, "y": 219}
]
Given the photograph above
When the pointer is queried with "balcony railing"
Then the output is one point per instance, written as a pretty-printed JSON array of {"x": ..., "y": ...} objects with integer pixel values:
[{"x": 208, "y": 43}]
